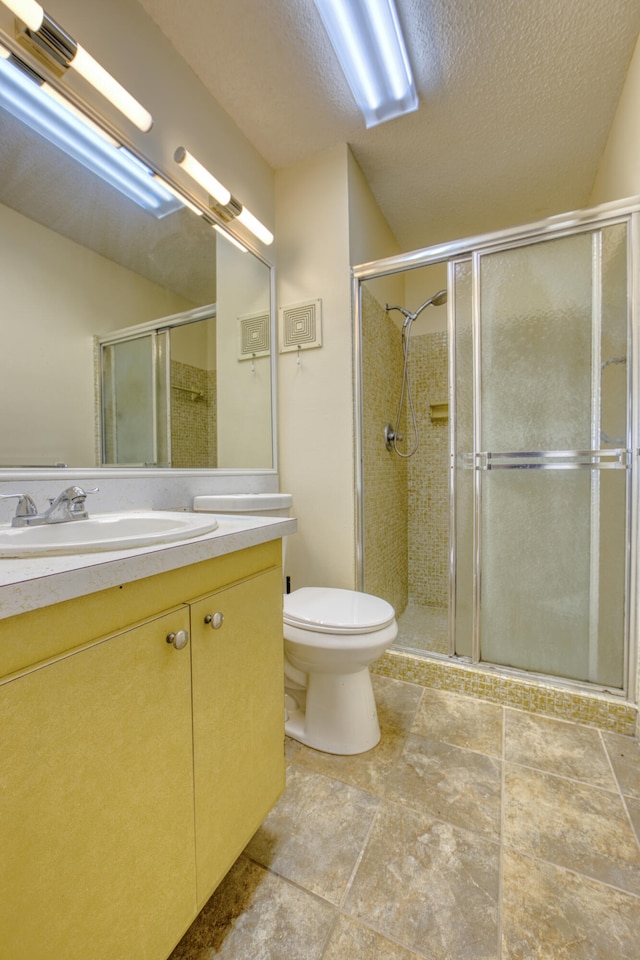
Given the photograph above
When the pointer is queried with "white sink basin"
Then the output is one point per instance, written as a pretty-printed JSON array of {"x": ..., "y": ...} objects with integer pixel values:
[{"x": 103, "y": 531}]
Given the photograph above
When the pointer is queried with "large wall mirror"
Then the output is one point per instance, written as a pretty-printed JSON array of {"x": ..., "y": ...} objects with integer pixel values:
[{"x": 89, "y": 280}]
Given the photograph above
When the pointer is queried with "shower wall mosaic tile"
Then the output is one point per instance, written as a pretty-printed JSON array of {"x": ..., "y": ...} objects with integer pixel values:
[
  {"x": 607, "y": 713},
  {"x": 428, "y": 473},
  {"x": 385, "y": 474},
  {"x": 193, "y": 416}
]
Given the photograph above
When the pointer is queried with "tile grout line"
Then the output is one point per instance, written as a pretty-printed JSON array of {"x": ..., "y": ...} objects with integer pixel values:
[
  {"x": 349, "y": 883},
  {"x": 619, "y": 786},
  {"x": 574, "y": 872},
  {"x": 613, "y": 791}
]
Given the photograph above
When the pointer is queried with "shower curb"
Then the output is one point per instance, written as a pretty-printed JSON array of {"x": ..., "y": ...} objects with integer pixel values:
[{"x": 605, "y": 711}]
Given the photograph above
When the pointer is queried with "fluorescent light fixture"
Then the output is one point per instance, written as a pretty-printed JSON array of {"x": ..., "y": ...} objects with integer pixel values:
[
  {"x": 82, "y": 117},
  {"x": 22, "y": 95},
  {"x": 51, "y": 37},
  {"x": 176, "y": 193},
  {"x": 368, "y": 42},
  {"x": 231, "y": 208}
]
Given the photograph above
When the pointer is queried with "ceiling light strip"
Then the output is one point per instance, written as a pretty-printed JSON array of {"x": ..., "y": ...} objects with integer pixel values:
[
  {"x": 368, "y": 42},
  {"x": 230, "y": 208},
  {"x": 44, "y": 30}
]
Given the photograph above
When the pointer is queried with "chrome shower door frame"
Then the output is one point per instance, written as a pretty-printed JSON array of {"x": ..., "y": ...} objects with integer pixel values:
[{"x": 588, "y": 220}]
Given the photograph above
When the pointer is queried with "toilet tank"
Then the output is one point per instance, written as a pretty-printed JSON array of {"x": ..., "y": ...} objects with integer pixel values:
[{"x": 251, "y": 504}]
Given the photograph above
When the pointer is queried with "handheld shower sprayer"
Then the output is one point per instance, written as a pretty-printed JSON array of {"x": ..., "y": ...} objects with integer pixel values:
[{"x": 391, "y": 434}]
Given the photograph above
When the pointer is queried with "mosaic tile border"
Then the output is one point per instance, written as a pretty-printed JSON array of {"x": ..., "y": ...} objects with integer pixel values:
[{"x": 594, "y": 710}]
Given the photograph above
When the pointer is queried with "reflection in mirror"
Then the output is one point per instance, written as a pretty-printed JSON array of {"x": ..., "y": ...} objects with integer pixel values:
[
  {"x": 158, "y": 393},
  {"x": 80, "y": 260}
]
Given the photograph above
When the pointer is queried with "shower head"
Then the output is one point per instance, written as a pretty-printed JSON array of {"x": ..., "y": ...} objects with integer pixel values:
[{"x": 439, "y": 298}]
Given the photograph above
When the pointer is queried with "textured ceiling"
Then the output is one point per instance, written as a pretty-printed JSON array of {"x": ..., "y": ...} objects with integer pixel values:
[{"x": 516, "y": 100}]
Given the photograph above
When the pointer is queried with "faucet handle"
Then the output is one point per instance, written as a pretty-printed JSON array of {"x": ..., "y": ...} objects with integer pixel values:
[
  {"x": 77, "y": 497},
  {"x": 26, "y": 507}
]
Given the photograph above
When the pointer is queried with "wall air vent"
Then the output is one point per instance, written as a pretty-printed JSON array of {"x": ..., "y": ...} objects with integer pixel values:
[
  {"x": 301, "y": 326},
  {"x": 254, "y": 336}
]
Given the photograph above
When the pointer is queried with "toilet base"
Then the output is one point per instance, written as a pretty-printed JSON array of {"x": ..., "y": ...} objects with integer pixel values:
[{"x": 336, "y": 713}]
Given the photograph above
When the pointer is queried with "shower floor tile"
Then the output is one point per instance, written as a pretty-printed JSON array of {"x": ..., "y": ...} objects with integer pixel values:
[
  {"x": 423, "y": 628},
  {"x": 471, "y": 832}
]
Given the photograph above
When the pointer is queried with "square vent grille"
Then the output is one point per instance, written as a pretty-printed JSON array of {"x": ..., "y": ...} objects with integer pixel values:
[
  {"x": 301, "y": 326},
  {"x": 254, "y": 336}
]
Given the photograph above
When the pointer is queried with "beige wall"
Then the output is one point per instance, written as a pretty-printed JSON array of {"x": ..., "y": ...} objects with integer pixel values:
[
  {"x": 327, "y": 219},
  {"x": 619, "y": 172},
  {"x": 421, "y": 284},
  {"x": 315, "y": 395}
]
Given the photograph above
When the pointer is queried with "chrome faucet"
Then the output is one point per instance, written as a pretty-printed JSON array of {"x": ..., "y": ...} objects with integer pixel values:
[{"x": 69, "y": 505}]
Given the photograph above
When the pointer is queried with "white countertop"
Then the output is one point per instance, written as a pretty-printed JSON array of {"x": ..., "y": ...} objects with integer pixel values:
[{"x": 27, "y": 584}]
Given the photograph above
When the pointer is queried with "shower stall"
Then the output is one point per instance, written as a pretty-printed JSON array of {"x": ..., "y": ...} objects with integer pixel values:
[{"x": 508, "y": 538}]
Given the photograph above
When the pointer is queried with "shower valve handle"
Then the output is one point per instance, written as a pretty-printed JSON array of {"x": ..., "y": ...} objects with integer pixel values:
[{"x": 390, "y": 436}]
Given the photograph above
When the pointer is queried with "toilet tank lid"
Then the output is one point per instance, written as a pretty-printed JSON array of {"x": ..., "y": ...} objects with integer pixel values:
[
  {"x": 342, "y": 610},
  {"x": 241, "y": 502}
]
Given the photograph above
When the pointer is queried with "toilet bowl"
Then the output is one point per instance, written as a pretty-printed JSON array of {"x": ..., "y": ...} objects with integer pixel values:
[{"x": 331, "y": 636}]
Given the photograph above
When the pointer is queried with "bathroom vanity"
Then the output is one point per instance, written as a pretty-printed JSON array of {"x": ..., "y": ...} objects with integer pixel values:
[{"x": 141, "y": 732}]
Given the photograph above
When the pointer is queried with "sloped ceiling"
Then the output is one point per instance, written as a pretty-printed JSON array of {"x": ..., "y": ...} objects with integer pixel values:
[{"x": 516, "y": 100}]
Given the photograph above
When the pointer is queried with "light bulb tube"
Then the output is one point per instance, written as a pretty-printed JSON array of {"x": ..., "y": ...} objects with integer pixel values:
[
  {"x": 28, "y": 11},
  {"x": 202, "y": 176},
  {"x": 110, "y": 89},
  {"x": 253, "y": 224}
]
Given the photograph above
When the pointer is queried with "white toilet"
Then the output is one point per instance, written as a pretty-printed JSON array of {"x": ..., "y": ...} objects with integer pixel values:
[{"x": 331, "y": 636}]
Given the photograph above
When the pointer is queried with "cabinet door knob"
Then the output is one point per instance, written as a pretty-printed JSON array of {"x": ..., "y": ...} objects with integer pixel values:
[
  {"x": 179, "y": 639},
  {"x": 216, "y": 620}
]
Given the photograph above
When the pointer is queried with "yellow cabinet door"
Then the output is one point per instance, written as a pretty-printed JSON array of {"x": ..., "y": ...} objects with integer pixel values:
[
  {"x": 96, "y": 801},
  {"x": 238, "y": 718}
]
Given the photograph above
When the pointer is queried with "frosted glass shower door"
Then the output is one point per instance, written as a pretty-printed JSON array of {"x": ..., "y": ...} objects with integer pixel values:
[
  {"x": 550, "y": 458},
  {"x": 135, "y": 412}
]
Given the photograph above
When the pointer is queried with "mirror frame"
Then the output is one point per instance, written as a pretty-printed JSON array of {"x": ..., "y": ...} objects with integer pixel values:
[{"x": 226, "y": 230}]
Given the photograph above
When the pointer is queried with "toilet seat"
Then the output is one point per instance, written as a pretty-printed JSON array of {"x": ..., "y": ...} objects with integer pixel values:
[{"x": 332, "y": 610}]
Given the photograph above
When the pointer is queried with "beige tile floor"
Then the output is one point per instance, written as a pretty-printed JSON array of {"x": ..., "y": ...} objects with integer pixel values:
[{"x": 471, "y": 832}]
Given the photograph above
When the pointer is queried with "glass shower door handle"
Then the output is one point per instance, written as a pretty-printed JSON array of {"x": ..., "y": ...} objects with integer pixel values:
[{"x": 615, "y": 459}]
